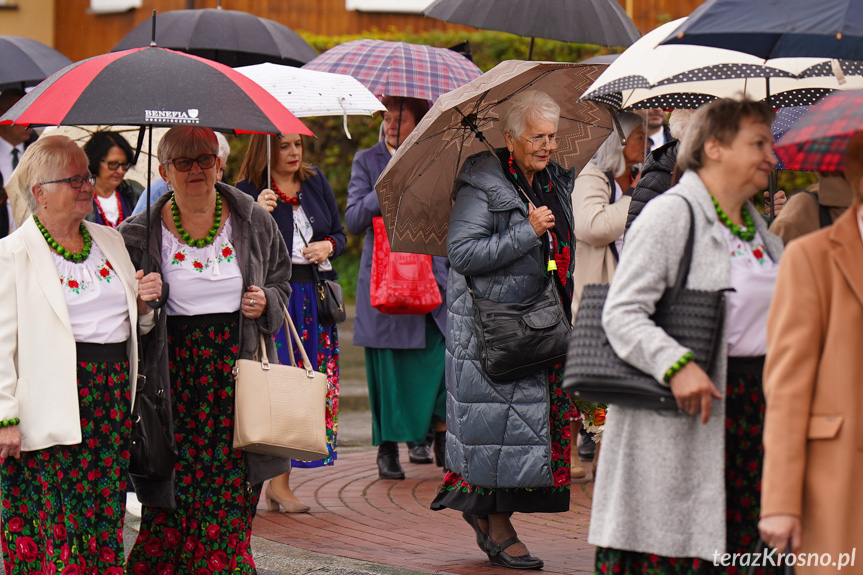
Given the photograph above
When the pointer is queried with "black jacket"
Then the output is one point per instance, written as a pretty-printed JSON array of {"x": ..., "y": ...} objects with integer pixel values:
[{"x": 655, "y": 178}]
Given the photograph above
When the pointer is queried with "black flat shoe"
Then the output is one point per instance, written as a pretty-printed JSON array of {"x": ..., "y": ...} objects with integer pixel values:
[
  {"x": 498, "y": 557},
  {"x": 440, "y": 448},
  {"x": 481, "y": 538},
  {"x": 419, "y": 453},
  {"x": 388, "y": 461}
]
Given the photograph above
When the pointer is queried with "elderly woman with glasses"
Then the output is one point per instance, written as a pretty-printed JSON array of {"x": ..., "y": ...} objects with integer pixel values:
[
  {"x": 70, "y": 307},
  {"x": 110, "y": 156},
  {"x": 228, "y": 270},
  {"x": 508, "y": 445}
]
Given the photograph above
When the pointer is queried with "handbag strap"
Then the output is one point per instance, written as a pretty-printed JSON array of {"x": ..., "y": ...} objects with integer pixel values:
[
  {"x": 293, "y": 335},
  {"x": 314, "y": 266},
  {"x": 759, "y": 549},
  {"x": 686, "y": 256}
]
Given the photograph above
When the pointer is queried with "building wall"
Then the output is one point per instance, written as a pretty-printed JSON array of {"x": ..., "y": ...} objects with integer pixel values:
[
  {"x": 31, "y": 18},
  {"x": 81, "y": 35}
]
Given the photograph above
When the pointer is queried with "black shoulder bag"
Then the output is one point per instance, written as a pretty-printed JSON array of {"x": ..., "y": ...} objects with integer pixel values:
[
  {"x": 519, "y": 339},
  {"x": 328, "y": 296},
  {"x": 694, "y": 318}
]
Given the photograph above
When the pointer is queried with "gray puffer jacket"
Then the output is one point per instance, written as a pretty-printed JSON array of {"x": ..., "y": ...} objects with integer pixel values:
[{"x": 497, "y": 434}]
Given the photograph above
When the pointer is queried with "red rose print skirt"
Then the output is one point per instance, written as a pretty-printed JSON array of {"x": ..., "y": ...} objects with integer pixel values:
[
  {"x": 211, "y": 527},
  {"x": 63, "y": 506},
  {"x": 456, "y": 493}
]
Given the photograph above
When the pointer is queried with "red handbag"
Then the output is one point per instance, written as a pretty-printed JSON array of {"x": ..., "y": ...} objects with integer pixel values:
[{"x": 401, "y": 283}]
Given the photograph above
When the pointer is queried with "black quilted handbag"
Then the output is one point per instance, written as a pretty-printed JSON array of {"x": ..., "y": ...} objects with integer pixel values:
[{"x": 595, "y": 373}]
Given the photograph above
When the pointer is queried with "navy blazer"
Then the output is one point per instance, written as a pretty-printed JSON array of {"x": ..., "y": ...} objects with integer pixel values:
[
  {"x": 371, "y": 327},
  {"x": 128, "y": 191},
  {"x": 319, "y": 203}
]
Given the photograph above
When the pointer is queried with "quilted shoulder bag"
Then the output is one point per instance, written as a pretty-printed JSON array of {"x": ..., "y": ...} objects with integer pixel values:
[
  {"x": 694, "y": 318},
  {"x": 280, "y": 410}
]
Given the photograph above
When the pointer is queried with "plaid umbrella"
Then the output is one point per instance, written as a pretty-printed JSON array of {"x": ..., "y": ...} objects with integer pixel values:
[
  {"x": 818, "y": 141},
  {"x": 398, "y": 68}
]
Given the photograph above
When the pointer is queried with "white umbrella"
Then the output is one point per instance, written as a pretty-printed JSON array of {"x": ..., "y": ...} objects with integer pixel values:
[
  {"x": 311, "y": 93},
  {"x": 648, "y": 75}
]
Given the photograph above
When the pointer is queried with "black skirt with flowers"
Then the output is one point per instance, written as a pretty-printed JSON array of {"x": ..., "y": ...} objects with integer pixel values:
[
  {"x": 63, "y": 506},
  {"x": 456, "y": 493},
  {"x": 211, "y": 527}
]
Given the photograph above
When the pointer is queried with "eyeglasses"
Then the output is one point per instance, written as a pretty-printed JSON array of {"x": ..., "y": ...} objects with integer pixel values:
[
  {"x": 75, "y": 182},
  {"x": 204, "y": 161},
  {"x": 540, "y": 142},
  {"x": 113, "y": 166}
]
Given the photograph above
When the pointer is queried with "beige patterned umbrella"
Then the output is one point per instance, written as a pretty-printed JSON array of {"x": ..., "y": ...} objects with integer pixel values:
[{"x": 415, "y": 189}]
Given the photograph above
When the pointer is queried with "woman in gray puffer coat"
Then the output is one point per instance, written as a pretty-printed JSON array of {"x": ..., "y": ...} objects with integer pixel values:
[{"x": 507, "y": 445}]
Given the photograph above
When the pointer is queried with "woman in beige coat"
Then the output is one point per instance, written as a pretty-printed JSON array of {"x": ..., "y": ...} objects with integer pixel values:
[{"x": 813, "y": 435}]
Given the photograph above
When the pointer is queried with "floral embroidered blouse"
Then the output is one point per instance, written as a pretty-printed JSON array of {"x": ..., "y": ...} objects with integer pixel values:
[
  {"x": 753, "y": 276},
  {"x": 95, "y": 298},
  {"x": 202, "y": 280}
]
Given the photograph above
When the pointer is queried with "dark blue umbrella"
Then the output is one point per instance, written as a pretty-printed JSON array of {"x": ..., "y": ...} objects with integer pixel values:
[
  {"x": 784, "y": 121},
  {"x": 777, "y": 28},
  {"x": 25, "y": 62}
]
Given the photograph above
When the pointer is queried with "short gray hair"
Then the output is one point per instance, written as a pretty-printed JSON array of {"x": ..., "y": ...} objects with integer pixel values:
[
  {"x": 609, "y": 156},
  {"x": 45, "y": 160},
  {"x": 224, "y": 148},
  {"x": 678, "y": 122},
  {"x": 182, "y": 141},
  {"x": 525, "y": 106}
]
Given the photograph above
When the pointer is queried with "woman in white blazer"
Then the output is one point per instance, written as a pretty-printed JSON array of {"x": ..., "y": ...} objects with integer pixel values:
[{"x": 68, "y": 359}]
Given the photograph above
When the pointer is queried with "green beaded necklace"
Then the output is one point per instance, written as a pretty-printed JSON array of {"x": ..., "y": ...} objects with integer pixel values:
[
  {"x": 746, "y": 232},
  {"x": 211, "y": 235},
  {"x": 71, "y": 256}
]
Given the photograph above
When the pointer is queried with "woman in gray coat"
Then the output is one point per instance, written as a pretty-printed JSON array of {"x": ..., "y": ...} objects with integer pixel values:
[
  {"x": 675, "y": 491},
  {"x": 507, "y": 444}
]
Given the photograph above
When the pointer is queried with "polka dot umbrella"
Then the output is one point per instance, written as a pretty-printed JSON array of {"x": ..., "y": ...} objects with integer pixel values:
[{"x": 650, "y": 75}]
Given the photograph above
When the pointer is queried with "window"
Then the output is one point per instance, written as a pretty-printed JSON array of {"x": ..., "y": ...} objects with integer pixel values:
[
  {"x": 112, "y": 6},
  {"x": 405, "y": 6}
]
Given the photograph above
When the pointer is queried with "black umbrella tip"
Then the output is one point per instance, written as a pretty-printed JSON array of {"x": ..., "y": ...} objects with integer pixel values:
[{"x": 153, "y": 31}]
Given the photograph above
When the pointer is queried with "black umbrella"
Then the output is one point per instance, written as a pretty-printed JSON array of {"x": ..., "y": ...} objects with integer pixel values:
[
  {"x": 229, "y": 37},
  {"x": 777, "y": 28},
  {"x": 601, "y": 22},
  {"x": 25, "y": 62}
]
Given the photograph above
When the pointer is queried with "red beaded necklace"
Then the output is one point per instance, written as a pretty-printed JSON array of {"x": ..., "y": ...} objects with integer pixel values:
[
  {"x": 285, "y": 198},
  {"x": 120, "y": 217}
]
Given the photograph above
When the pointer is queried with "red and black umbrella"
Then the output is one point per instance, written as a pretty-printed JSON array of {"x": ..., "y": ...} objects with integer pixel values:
[
  {"x": 818, "y": 140},
  {"x": 153, "y": 87}
]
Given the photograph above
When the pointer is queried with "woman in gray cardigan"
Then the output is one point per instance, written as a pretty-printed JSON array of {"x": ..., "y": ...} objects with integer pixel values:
[
  {"x": 507, "y": 443},
  {"x": 228, "y": 269},
  {"x": 677, "y": 489}
]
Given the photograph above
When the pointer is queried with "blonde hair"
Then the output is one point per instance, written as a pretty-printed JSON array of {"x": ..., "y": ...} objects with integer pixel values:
[
  {"x": 44, "y": 161},
  {"x": 182, "y": 141}
]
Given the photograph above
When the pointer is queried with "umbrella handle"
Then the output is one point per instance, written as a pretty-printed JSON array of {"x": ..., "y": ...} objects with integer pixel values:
[{"x": 147, "y": 266}]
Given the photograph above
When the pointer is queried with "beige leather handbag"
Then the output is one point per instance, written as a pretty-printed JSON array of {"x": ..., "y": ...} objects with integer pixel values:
[{"x": 280, "y": 410}]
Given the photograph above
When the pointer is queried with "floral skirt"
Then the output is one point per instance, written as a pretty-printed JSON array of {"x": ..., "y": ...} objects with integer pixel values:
[
  {"x": 322, "y": 346},
  {"x": 456, "y": 493},
  {"x": 63, "y": 506},
  {"x": 744, "y": 452},
  {"x": 211, "y": 528}
]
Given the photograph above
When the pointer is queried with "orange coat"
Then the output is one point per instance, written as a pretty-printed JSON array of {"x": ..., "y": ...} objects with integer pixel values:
[{"x": 813, "y": 434}]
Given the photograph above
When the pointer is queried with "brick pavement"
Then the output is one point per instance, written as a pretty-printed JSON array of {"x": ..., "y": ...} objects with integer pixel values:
[{"x": 356, "y": 515}]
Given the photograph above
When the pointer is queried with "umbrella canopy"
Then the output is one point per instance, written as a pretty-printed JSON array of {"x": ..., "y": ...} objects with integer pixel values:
[
  {"x": 648, "y": 75},
  {"x": 819, "y": 139},
  {"x": 414, "y": 190},
  {"x": 601, "y": 22},
  {"x": 311, "y": 93},
  {"x": 398, "y": 68},
  {"x": 229, "y": 37},
  {"x": 785, "y": 119},
  {"x": 777, "y": 28},
  {"x": 171, "y": 88},
  {"x": 25, "y": 62}
]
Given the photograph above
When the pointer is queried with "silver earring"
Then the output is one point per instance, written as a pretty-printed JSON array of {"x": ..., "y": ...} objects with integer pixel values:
[{"x": 170, "y": 188}]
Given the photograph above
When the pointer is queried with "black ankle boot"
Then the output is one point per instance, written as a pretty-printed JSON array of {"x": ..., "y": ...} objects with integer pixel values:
[
  {"x": 421, "y": 452},
  {"x": 440, "y": 448},
  {"x": 388, "y": 461}
]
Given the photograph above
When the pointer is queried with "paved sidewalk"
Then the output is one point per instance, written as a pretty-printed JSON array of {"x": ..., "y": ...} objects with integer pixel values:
[{"x": 356, "y": 516}]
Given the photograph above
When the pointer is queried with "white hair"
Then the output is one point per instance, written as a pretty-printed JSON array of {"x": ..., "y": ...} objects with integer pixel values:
[
  {"x": 609, "y": 156},
  {"x": 224, "y": 148},
  {"x": 527, "y": 105},
  {"x": 679, "y": 121}
]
